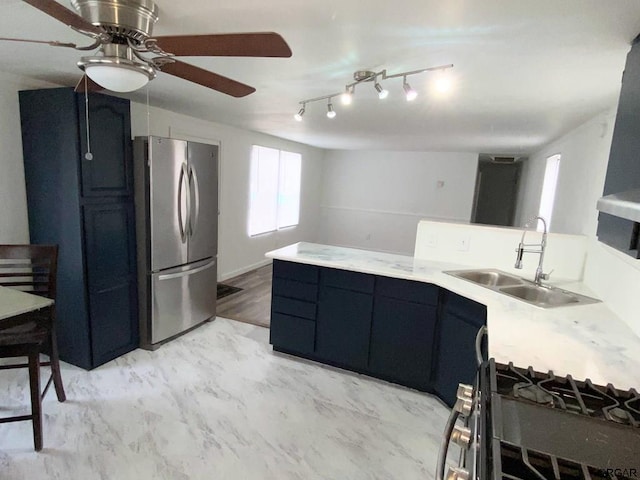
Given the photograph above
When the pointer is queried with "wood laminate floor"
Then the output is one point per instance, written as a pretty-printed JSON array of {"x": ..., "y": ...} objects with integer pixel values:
[{"x": 252, "y": 304}]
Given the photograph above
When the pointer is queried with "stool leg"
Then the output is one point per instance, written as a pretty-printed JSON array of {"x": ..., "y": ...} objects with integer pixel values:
[
  {"x": 36, "y": 400},
  {"x": 55, "y": 368}
]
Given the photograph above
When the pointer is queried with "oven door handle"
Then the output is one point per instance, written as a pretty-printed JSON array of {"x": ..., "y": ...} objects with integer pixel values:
[
  {"x": 480, "y": 336},
  {"x": 444, "y": 446}
]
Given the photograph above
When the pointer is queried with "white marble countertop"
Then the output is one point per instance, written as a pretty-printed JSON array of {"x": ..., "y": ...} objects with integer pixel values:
[
  {"x": 14, "y": 302},
  {"x": 586, "y": 341}
]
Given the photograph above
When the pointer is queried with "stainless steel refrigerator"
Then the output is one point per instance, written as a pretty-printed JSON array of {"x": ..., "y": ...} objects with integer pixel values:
[{"x": 176, "y": 193}]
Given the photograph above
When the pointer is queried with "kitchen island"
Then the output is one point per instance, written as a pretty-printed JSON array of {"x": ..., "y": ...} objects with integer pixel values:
[{"x": 586, "y": 341}]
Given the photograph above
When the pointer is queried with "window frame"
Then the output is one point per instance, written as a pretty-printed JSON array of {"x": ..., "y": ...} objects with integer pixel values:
[{"x": 280, "y": 192}]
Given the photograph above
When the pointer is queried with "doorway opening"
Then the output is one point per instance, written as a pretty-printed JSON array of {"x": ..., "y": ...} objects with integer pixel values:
[{"x": 496, "y": 195}]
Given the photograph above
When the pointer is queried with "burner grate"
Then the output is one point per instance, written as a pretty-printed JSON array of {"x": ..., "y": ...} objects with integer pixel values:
[
  {"x": 518, "y": 463},
  {"x": 565, "y": 393}
]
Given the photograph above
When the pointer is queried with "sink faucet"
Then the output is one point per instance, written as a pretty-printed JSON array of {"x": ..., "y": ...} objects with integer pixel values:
[{"x": 524, "y": 248}]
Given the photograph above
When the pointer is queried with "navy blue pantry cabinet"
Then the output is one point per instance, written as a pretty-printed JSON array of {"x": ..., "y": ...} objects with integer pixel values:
[
  {"x": 86, "y": 207},
  {"x": 370, "y": 324}
]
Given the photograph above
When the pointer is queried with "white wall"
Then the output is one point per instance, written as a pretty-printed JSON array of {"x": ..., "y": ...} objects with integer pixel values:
[
  {"x": 585, "y": 154},
  {"x": 375, "y": 200},
  {"x": 14, "y": 226},
  {"x": 237, "y": 252},
  {"x": 486, "y": 246},
  {"x": 613, "y": 276}
]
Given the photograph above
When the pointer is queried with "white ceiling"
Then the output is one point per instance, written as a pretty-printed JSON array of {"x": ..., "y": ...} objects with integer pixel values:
[{"x": 526, "y": 71}]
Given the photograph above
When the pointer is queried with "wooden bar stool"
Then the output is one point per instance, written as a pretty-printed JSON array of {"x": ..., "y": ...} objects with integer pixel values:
[{"x": 31, "y": 268}]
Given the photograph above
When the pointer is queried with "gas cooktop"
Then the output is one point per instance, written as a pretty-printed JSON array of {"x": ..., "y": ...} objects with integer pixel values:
[{"x": 536, "y": 426}]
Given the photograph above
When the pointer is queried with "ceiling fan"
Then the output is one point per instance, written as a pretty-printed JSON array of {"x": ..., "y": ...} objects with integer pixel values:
[{"x": 128, "y": 56}]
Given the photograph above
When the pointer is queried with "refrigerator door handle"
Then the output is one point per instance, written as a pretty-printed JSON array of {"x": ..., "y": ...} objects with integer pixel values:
[
  {"x": 183, "y": 181},
  {"x": 195, "y": 206},
  {"x": 185, "y": 273}
]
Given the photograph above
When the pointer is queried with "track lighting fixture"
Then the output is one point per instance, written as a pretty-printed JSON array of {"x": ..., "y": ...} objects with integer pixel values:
[
  {"x": 362, "y": 76},
  {"x": 409, "y": 92},
  {"x": 298, "y": 116},
  {"x": 331, "y": 113}
]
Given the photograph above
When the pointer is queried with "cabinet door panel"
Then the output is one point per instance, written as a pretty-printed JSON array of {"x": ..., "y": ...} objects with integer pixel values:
[
  {"x": 402, "y": 337},
  {"x": 343, "y": 326},
  {"x": 111, "y": 278},
  {"x": 109, "y": 173},
  {"x": 114, "y": 330},
  {"x": 291, "y": 306},
  {"x": 292, "y": 333},
  {"x": 456, "y": 356},
  {"x": 292, "y": 289},
  {"x": 360, "y": 282},
  {"x": 408, "y": 290},
  {"x": 295, "y": 271}
]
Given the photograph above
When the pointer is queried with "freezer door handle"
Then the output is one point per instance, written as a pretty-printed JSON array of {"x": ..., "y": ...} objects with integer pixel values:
[
  {"x": 194, "y": 207},
  {"x": 185, "y": 273},
  {"x": 182, "y": 222}
]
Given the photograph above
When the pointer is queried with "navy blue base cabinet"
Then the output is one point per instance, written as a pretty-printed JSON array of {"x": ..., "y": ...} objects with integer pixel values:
[
  {"x": 402, "y": 332},
  {"x": 407, "y": 332},
  {"x": 343, "y": 328},
  {"x": 460, "y": 321},
  {"x": 369, "y": 324},
  {"x": 86, "y": 207}
]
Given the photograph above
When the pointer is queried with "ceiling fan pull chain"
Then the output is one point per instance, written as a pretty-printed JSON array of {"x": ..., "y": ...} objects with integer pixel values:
[
  {"x": 88, "y": 155},
  {"x": 148, "y": 114}
]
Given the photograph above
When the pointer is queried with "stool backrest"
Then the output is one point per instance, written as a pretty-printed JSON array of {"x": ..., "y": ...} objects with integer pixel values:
[{"x": 30, "y": 268}]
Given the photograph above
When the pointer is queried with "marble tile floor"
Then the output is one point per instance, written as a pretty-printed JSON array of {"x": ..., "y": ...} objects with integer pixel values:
[{"x": 217, "y": 403}]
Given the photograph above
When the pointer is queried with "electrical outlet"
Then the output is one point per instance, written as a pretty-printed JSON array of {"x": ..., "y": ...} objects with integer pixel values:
[{"x": 463, "y": 243}]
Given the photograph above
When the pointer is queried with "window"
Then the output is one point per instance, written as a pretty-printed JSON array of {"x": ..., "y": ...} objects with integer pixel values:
[
  {"x": 549, "y": 185},
  {"x": 274, "y": 201}
]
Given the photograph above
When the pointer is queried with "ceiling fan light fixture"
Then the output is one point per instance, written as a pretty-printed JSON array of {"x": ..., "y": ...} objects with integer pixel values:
[
  {"x": 117, "y": 78},
  {"x": 116, "y": 70}
]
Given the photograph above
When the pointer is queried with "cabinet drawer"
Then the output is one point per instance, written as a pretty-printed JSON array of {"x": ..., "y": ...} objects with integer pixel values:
[
  {"x": 290, "y": 306},
  {"x": 295, "y": 271},
  {"x": 359, "y": 282},
  {"x": 293, "y": 289},
  {"x": 408, "y": 290},
  {"x": 292, "y": 333},
  {"x": 473, "y": 312}
]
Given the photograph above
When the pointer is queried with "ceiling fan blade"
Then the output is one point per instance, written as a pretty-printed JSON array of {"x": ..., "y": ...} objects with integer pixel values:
[
  {"x": 265, "y": 44},
  {"x": 66, "y": 16},
  {"x": 90, "y": 85},
  {"x": 207, "y": 79}
]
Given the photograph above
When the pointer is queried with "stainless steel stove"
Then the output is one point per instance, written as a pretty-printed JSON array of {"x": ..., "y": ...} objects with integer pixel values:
[{"x": 526, "y": 425}]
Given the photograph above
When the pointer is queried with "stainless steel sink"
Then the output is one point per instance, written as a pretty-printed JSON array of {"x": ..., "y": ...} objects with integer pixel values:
[
  {"x": 488, "y": 277},
  {"x": 546, "y": 297},
  {"x": 539, "y": 295}
]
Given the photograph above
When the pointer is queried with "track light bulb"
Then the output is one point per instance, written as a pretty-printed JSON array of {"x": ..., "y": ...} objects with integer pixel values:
[
  {"x": 382, "y": 93},
  {"x": 347, "y": 97},
  {"x": 410, "y": 93},
  {"x": 330, "y": 111},
  {"x": 298, "y": 116}
]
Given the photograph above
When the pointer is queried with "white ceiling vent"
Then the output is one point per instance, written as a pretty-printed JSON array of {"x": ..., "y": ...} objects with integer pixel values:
[{"x": 504, "y": 159}]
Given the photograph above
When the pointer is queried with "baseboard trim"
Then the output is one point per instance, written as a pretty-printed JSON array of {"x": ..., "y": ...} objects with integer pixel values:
[{"x": 240, "y": 271}]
